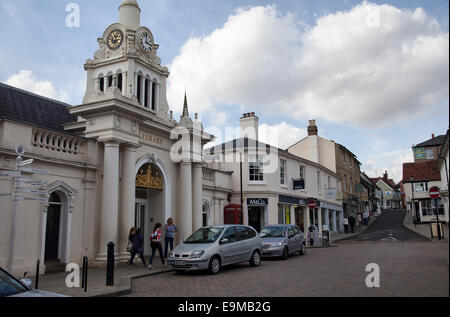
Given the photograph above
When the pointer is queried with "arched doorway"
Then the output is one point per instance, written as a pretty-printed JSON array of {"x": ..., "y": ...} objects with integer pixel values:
[
  {"x": 53, "y": 226},
  {"x": 150, "y": 207},
  {"x": 206, "y": 214}
]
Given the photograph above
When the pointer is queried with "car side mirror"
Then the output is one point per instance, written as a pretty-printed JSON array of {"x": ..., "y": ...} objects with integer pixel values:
[
  {"x": 224, "y": 241},
  {"x": 27, "y": 282}
]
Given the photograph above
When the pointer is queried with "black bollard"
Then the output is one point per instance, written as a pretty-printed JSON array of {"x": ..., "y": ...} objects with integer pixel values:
[
  {"x": 85, "y": 274},
  {"x": 110, "y": 265},
  {"x": 36, "y": 282}
]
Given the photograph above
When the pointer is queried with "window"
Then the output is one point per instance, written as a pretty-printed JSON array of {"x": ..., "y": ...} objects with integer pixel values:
[
  {"x": 205, "y": 215},
  {"x": 120, "y": 81},
  {"x": 282, "y": 172},
  {"x": 230, "y": 234},
  {"x": 302, "y": 172},
  {"x": 102, "y": 84},
  {"x": 318, "y": 181},
  {"x": 255, "y": 172},
  {"x": 154, "y": 96},
  {"x": 250, "y": 233},
  {"x": 428, "y": 209},
  {"x": 351, "y": 185},
  {"x": 420, "y": 187},
  {"x": 242, "y": 233},
  {"x": 138, "y": 88},
  {"x": 146, "y": 91},
  {"x": 284, "y": 214},
  {"x": 429, "y": 154}
]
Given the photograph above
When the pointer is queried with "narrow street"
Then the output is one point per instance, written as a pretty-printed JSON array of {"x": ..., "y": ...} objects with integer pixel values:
[
  {"x": 338, "y": 271},
  {"x": 389, "y": 227}
]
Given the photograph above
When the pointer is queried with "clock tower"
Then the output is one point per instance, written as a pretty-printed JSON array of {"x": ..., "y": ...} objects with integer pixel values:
[{"x": 126, "y": 64}]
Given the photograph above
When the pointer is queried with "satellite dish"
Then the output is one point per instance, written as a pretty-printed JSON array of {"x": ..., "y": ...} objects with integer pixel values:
[{"x": 20, "y": 150}]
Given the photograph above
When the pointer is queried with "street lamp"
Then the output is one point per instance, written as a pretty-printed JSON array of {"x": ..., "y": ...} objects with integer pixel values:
[{"x": 413, "y": 206}]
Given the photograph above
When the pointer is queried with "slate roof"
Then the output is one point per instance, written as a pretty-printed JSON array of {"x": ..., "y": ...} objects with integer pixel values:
[
  {"x": 436, "y": 141},
  {"x": 23, "y": 106},
  {"x": 421, "y": 171},
  {"x": 390, "y": 182}
]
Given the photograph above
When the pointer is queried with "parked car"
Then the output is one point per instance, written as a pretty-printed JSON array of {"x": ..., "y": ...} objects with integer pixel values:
[
  {"x": 211, "y": 248},
  {"x": 282, "y": 240},
  {"x": 12, "y": 287}
]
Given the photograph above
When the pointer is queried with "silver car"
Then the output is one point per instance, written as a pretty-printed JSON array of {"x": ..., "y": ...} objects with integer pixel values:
[
  {"x": 282, "y": 240},
  {"x": 12, "y": 287},
  {"x": 211, "y": 248}
]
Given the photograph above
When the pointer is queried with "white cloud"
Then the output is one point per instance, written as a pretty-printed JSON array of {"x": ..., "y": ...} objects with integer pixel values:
[
  {"x": 281, "y": 135},
  {"x": 392, "y": 162},
  {"x": 369, "y": 66},
  {"x": 26, "y": 80}
]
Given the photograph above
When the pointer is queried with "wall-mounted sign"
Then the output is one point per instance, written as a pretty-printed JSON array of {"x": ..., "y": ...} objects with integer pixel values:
[
  {"x": 257, "y": 201},
  {"x": 331, "y": 193},
  {"x": 419, "y": 153},
  {"x": 299, "y": 184},
  {"x": 292, "y": 200},
  {"x": 150, "y": 138}
]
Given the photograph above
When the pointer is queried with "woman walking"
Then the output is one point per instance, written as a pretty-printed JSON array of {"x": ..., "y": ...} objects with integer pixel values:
[
  {"x": 170, "y": 230},
  {"x": 137, "y": 248},
  {"x": 130, "y": 239},
  {"x": 156, "y": 244}
]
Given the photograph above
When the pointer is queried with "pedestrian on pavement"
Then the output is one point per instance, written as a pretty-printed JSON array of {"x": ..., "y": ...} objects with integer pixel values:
[
  {"x": 366, "y": 218},
  {"x": 346, "y": 224},
  {"x": 137, "y": 248},
  {"x": 351, "y": 222},
  {"x": 359, "y": 219},
  {"x": 170, "y": 230},
  {"x": 156, "y": 244},
  {"x": 130, "y": 239}
]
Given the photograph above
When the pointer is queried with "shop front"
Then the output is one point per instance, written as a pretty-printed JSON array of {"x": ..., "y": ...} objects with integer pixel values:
[
  {"x": 291, "y": 210},
  {"x": 257, "y": 212}
]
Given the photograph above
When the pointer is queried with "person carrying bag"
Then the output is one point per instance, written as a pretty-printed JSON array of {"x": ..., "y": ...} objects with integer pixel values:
[{"x": 155, "y": 243}]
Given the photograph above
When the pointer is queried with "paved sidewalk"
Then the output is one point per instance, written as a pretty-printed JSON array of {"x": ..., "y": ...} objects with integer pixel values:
[
  {"x": 96, "y": 286},
  {"x": 422, "y": 229},
  {"x": 358, "y": 230}
]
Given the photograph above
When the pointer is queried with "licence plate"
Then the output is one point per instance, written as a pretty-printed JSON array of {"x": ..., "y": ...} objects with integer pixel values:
[{"x": 179, "y": 263}]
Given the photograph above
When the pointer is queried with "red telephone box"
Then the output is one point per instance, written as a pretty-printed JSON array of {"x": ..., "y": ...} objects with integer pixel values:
[{"x": 233, "y": 215}]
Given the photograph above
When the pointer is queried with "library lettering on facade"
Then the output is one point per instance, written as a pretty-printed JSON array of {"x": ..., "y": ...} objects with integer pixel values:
[{"x": 111, "y": 166}]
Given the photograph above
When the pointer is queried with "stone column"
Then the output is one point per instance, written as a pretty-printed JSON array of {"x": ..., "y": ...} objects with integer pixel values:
[
  {"x": 185, "y": 202},
  {"x": 97, "y": 84},
  {"x": 327, "y": 218},
  {"x": 222, "y": 204},
  {"x": 127, "y": 204},
  {"x": 105, "y": 83},
  {"x": 197, "y": 191},
  {"x": 319, "y": 210},
  {"x": 333, "y": 215},
  {"x": 142, "y": 91},
  {"x": 110, "y": 198},
  {"x": 157, "y": 96}
]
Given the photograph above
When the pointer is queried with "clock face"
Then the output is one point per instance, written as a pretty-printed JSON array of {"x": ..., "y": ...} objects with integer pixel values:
[
  {"x": 115, "y": 39},
  {"x": 146, "y": 42}
]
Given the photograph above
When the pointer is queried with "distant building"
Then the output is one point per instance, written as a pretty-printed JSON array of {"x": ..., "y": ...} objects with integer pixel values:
[
  {"x": 418, "y": 178},
  {"x": 391, "y": 193},
  {"x": 428, "y": 150},
  {"x": 338, "y": 159},
  {"x": 443, "y": 166}
]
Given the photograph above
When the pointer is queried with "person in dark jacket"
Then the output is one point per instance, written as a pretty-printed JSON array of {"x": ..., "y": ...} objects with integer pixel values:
[
  {"x": 351, "y": 222},
  {"x": 137, "y": 248}
]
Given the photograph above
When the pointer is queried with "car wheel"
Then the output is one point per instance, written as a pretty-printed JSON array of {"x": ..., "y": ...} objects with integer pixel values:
[
  {"x": 214, "y": 265},
  {"x": 285, "y": 253},
  {"x": 302, "y": 249},
  {"x": 256, "y": 259}
]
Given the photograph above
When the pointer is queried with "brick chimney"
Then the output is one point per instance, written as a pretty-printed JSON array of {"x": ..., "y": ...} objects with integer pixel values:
[
  {"x": 385, "y": 176},
  {"x": 312, "y": 128},
  {"x": 432, "y": 135}
]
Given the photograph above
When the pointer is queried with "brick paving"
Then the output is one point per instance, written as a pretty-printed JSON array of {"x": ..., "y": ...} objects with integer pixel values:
[{"x": 407, "y": 269}]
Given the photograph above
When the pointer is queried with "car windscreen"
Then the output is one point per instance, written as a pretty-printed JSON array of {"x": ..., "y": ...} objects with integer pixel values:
[
  {"x": 273, "y": 232},
  {"x": 9, "y": 286},
  {"x": 205, "y": 235}
]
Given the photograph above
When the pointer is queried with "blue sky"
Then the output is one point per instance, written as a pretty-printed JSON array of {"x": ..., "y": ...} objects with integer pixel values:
[{"x": 36, "y": 39}]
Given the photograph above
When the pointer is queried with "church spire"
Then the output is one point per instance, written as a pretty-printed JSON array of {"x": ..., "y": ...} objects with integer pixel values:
[{"x": 185, "y": 107}]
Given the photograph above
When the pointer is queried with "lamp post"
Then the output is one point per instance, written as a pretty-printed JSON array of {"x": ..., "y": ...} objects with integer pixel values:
[
  {"x": 240, "y": 151},
  {"x": 413, "y": 206}
]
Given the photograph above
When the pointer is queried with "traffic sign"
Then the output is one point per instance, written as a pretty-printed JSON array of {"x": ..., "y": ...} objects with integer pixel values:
[
  {"x": 434, "y": 192},
  {"x": 312, "y": 204}
]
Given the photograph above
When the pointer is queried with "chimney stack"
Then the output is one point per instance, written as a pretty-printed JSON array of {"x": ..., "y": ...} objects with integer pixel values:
[
  {"x": 249, "y": 126},
  {"x": 312, "y": 128},
  {"x": 385, "y": 176},
  {"x": 432, "y": 135}
]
